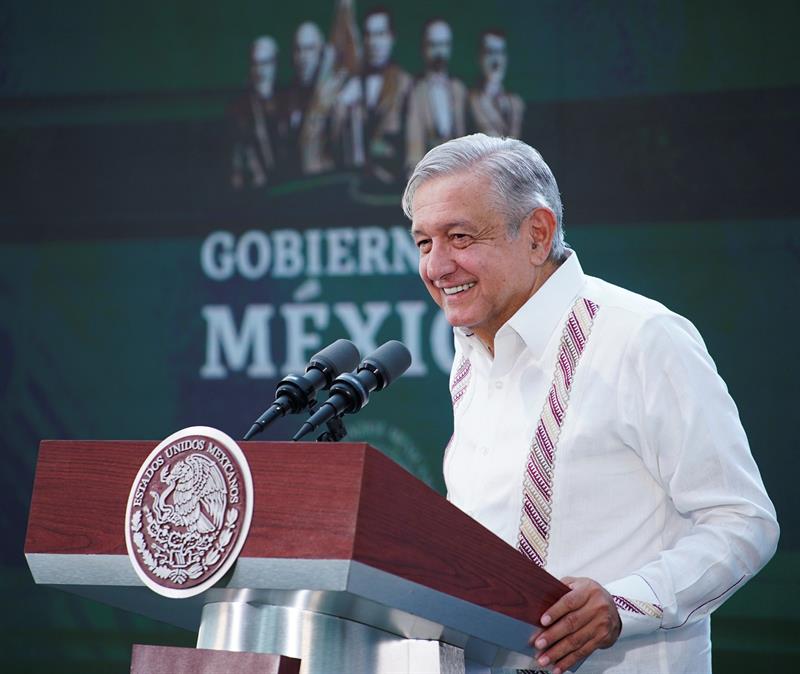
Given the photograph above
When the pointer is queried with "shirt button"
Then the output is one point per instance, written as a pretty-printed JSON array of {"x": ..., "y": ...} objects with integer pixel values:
[
  {"x": 498, "y": 384},
  {"x": 484, "y": 450}
]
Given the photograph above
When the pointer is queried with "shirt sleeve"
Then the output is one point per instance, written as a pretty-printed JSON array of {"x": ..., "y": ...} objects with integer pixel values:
[{"x": 678, "y": 415}]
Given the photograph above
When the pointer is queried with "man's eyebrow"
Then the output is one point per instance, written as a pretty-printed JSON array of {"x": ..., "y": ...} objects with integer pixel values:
[{"x": 447, "y": 227}]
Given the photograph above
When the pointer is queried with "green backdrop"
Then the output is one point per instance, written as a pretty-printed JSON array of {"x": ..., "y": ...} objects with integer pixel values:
[{"x": 672, "y": 129}]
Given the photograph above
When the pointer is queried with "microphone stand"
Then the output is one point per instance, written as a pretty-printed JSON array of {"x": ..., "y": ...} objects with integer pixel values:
[{"x": 336, "y": 430}]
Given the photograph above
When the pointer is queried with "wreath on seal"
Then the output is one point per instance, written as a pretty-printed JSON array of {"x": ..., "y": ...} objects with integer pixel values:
[{"x": 205, "y": 550}]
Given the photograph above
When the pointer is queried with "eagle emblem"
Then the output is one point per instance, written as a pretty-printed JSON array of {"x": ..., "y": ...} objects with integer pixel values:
[
  {"x": 188, "y": 511},
  {"x": 197, "y": 492}
]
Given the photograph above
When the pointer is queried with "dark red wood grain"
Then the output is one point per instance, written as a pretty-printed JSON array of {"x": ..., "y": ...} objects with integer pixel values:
[
  {"x": 306, "y": 499},
  {"x": 409, "y": 530},
  {"x": 170, "y": 660},
  {"x": 79, "y": 495},
  {"x": 305, "y": 503},
  {"x": 312, "y": 501}
]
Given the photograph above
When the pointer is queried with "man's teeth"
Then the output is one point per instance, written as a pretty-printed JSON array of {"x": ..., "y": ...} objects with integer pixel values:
[{"x": 457, "y": 289}]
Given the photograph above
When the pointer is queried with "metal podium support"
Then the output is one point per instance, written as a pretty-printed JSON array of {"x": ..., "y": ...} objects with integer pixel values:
[{"x": 322, "y": 642}]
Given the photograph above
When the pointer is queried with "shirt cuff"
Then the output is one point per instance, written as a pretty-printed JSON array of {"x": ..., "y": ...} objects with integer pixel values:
[{"x": 637, "y": 604}]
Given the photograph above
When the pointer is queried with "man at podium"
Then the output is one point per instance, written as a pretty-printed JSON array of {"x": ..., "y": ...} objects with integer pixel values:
[{"x": 591, "y": 429}]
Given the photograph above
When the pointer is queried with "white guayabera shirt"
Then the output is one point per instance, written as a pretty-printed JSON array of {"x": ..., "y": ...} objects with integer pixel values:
[{"x": 653, "y": 491}]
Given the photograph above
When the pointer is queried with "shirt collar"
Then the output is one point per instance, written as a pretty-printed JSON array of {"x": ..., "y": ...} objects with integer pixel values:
[
  {"x": 437, "y": 78},
  {"x": 537, "y": 319}
]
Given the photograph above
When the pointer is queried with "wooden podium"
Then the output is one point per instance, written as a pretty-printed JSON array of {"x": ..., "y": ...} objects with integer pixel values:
[{"x": 351, "y": 564}]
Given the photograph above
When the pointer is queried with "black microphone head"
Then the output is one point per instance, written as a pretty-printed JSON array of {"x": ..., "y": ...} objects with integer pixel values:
[
  {"x": 387, "y": 362},
  {"x": 341, "y": 356}
]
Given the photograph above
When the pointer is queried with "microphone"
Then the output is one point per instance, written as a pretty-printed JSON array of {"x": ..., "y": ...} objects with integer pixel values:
[
  {"x": 295, "y": 392},
  {"x": 350, "y": 392}
]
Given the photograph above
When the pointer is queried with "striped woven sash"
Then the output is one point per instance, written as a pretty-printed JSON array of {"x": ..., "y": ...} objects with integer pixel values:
[{"x": 537, "y": 497}]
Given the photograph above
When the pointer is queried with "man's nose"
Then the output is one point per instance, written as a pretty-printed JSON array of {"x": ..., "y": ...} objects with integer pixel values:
[{"x": 439, "y": 262}]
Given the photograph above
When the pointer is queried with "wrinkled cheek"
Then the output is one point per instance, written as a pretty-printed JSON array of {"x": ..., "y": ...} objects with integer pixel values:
[
  {"x": 435, "y": 293},
  {"x": 432, "y": 290}
]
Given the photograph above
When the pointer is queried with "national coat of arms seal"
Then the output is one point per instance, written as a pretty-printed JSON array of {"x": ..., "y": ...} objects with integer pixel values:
[{"x": 189, "y": 512}]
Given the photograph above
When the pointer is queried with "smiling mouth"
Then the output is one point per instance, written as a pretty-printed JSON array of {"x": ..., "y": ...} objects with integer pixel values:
[{"x": 457, "y": 289}]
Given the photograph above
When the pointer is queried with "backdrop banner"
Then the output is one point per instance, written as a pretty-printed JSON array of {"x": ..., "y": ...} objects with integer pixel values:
[{"x": 195, "y": 199}]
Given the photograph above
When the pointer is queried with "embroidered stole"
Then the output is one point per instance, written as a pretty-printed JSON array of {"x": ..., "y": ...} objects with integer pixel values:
[
  {"x": 534, "y": 530},
  {"x": 537, "y": 497}
]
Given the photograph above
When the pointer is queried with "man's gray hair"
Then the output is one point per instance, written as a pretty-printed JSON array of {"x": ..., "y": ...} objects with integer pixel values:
[{"x": 521, "y": 180}]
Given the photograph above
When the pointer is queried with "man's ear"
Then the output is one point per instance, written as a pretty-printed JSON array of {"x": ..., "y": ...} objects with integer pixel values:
[{"x": 539, "y": 228}]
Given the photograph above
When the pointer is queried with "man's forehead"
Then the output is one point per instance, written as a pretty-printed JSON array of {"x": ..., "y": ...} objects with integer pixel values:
[
  {"x": 264, "y": 49},
  {"x": 308, "y": 35},
  {"x": 493, "y": 43},
  {"x": 438, "y": 31},
  {"x": 377, "y": 23}
]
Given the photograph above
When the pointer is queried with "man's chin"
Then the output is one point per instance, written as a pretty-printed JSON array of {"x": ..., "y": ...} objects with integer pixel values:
[
  {"x": 438, "y": 64},
  {"x": 458, "y": 321}
]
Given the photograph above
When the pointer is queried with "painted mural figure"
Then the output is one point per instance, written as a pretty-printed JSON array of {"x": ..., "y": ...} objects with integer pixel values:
[
  {"x": 341, "y": 83},
  {"x": 493, "y": 110},
  {"x": 305, "y": 111},
  {"x": 349, "y": 108},
  {"x": 386, "y": 88},
  {"x": 324, "y": 112},
  {"x": 437, "y": 103},
  {"x": 254, "y": 120}
]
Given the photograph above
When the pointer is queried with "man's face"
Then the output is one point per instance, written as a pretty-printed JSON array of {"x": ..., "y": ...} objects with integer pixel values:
[
  {"x": 263, "y": 64},
  {"x": 493, "y": 58},
  {"x": 378, "y": 39},
  {"x": 437, "y": 44},
  {"x": 307, "y": 51},
  {"x": 471, "y": 268}
]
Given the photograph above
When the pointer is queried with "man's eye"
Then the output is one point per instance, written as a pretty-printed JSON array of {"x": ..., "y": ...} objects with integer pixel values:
[{"x": 424, "y": 244}]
